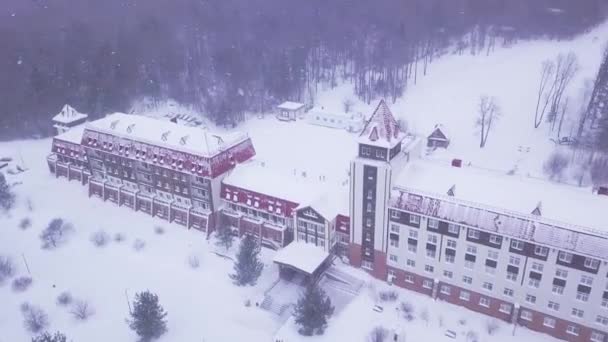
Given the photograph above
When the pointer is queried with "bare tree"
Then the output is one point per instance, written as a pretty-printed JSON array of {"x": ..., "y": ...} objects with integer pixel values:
[
  {"x": 7, "y": 268},
  {"x": 82, "y": 310},
  {"x": 379, "y": 334},
  {"x": 492, "y": 326},
  {"x": 424, "y": 315},
  {"x": 566, "y": 67},
  {"x": 55, "y": 234},
  {"x": 555, "y": 165},
  {"x": 34, "y": 318},
  {"x": 489, "y": 111},
  {"x": 348, "y": 105},
  {"x": 599, "y": 171},
  {"x": 544, "y": 94}
]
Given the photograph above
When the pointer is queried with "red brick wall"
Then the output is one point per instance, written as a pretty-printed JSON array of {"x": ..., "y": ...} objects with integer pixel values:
[
  {"x": 415, "y": 286},
  {"x": 560, "y": 327},
  {"x": 473, "y": 303},
  {"x": 380, "y": 267},
  {"x": 354, "y": 254}
]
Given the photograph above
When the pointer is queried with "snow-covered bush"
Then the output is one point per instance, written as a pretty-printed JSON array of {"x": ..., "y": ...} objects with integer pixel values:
[
  {"x": 25, "y": 223},
  {"x": 139, "y": 244},
  {"x": 378, "y": 334},
  {"x": 159, "y": 230},
  {"x": 472, "y": 336},
  {"x": 35, "y": 319},
  {"x": 7, "y": 268},
  {"x": 193, "y": 261},
  {"x": 100, "y": 238},
  {"x": 492, "y": 326},
  {"x": 462, "y": 321},
  {"x": 119, "y": 237},
  {"x": 21, "y": 284},
  {"x": 407, "y": 310},
  {"x": 388, "y": 296},
  {"x": 7, "y": 197},
  {"x": 55, "y": 234},
  {"x": 554, "y": 166},
  {"x": 82, "y": 310},
  {"x": 424, "y": 315},
  {"x": 64, "y": 299},
  {"x": 47, "y": 337}
]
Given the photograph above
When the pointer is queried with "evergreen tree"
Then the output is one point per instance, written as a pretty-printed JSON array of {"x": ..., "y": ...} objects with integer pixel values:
[
  {"x": 247, "y": 267},
  {"x": 312, "y": 311},
  {"x": 7, "y": 198},
  {"x": 224, "y": 236},
  {"x": 46, "y": 337},
  {"x": 148, "y": 317},
  {"x": 598, "y": 106}
]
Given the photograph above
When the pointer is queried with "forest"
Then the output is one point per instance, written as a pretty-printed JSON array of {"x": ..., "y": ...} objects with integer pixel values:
[{"x": 228, "y": 57}]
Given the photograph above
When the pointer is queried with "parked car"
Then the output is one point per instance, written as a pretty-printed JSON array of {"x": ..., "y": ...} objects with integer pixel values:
[
  {"x": 450, "y": 333},
  {"x": 378, "y": 308}
]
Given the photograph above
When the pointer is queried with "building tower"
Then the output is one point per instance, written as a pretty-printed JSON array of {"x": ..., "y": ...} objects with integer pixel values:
[
  {"x": 68, "y": 118},
  {"x": 371, "y": 172}
]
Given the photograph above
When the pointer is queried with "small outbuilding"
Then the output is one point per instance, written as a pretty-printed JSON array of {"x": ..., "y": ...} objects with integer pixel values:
[
  {"x": 289, "y": 111},
  {"x": 67, "y": 118},
  {"x": 352, "y": 122},
  {"x": 438, "y": 137}
]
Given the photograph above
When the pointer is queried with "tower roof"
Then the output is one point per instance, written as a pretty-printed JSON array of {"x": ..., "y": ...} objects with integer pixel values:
[
  {"x": 69, "y": 116},
  {"x": 381, "y": 129}
]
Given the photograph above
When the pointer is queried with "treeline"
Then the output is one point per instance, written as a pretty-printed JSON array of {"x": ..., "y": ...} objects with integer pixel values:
[{"x": 226, "y": 57}]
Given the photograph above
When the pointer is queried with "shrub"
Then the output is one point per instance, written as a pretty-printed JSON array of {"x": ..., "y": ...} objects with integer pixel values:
[
  {"x": 7, "y": 268},
  {"x": 21, "y": 284},
  {"x": 193, "y": 261},
  {"x": 388, "y": 296},
  {"x": 64, "y": 299},
  {"x": 82, "y": 310},
  {"x": 379, "y": 334},
  {"x": 55, "y": 234},
  {"x": 25, "y": 223},
  {"x": 100, "y": 238},
  {"x": 555, "y": 165},
  {"x": 462, "y": 321},
  {"x": 408, "y": 311},
  {"x": 492, "y": 326},
  {"x": 159, "y": 230},
  {"x": 119, "y": 237},
  {"x": 148, "y": 318},
  {"x": 34, "y": 319},
  {"x": 139, "y": 244},
  {"x": 472, "y": 336},
  {"x": 46, "y": 337}
]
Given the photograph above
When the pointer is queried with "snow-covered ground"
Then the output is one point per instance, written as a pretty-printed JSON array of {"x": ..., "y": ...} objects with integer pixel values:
[{"x": 202, "y": 303}]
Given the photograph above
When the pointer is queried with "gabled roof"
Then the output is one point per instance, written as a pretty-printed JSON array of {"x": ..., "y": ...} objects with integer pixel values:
[
  {"x": 305, "y": 257},
  {"x": 69, "y": 115},
  {"x": 438, "y": 133},
  {"x": 288, "y": 105},
  {"x": 381, "y": 129}
]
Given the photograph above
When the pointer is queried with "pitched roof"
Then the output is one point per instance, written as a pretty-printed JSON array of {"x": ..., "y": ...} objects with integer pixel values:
[
  {"x": 304, "y": 256},
  {"x": 381, "y": 129},
  {"x": 69, "y": 115},
  {"x": 438, "y": 132},
  {"x": 288, "y": 105}
]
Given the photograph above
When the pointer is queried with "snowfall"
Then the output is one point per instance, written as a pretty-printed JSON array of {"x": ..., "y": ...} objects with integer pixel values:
[{"x": 202, "y": 303}]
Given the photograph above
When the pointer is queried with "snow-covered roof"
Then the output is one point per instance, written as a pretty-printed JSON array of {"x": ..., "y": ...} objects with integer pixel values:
[
  {"x": 332, "y": 203},
  {"x": 73, "y": 135},
  {"x": 292, "y": 185},
  {"x": 288, "y": 105},
  {"x": 381, "y": 129},
  {"x": 166, "y": 133},
  {"x": 303, "y": 256},
  {"x": 69, "y": 115},
  {"x": 439, "y": 132},
  {"x": 569, "y": 205}
]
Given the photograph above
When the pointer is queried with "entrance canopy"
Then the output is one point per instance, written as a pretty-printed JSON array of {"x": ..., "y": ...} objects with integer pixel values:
[{"x": 304, "y": 257}]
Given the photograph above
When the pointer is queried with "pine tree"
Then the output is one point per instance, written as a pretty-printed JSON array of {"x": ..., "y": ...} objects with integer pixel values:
[
  {"x": 148, "y": 317},
  {"x": 224, "y": 236},
  {"x": 247, "y": 267},
  {"x": 312, "y": 311},
  {"x": 7, "y": 198},
  {"x": 46, "y": 337}
]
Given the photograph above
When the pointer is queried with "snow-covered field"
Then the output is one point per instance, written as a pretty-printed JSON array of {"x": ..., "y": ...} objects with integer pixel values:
[{"x": 202, "y": 303}]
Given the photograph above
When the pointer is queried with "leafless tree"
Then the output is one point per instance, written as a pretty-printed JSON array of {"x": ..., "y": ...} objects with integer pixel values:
[
  {"x": 555, "y": 165},
  {"x": 424, "y": 315},
  {"x": 492, "y": 326},
  {"x": 55, "y": 234},
  {"x": 489, "y": 111},
  {"x": 82, "y": 310},
  {"x": 599, "y": 171},
  {"x": 7, "y": 268},
  {"x": 348, "y": 105},
  {"x": 566, "y": 67},
  {"x": 379, "y": 334},
  {"x": 407, "y": 310},
  {"x": 545, "y": 89},
  {"x": 34, "y": 318}
]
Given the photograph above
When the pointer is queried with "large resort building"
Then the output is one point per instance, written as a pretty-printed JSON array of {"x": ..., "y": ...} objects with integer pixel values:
[{"x": 529, "y": 252}]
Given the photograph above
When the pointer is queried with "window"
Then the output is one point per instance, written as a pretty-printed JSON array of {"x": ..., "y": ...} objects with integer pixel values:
[
  {"x": 559, "y": 290},
  {"x": 582, "y": 296},
  {"x": 597, "y": 337},
  {"x": 490, "y": 270},
  {"x": 553, "y": 306},
  {"x": 513, "y": 260},
  {"x": 485, "y": 302},
  {"x": 586, "y": 280},
  {"x": 518, "y": 245},
  {"x": 445, "y": 289},
  {"x": 492, "y": 255},
  {"x": 368, "y": 222},
  {"x": 540, "y": 250},
  {"x": 488, "y": 286},
  {"x": 534, "y": 283},
  {"x": 453, "y": 229},
  {"x": 411, "y": 263},
  {"x": 451, "y": 243},
  {"x": 526, "y": 315},
  {"x": 549, "y": 322},
  {"x": 412, "y": 248},
  {"x": 429, "y": 268},
  {"x": 469, "y": 264},
  {"x": 394, "y": 228},
  {"x": 465, "y": 295},
  {"x": 565, "y": 257},
  {"x": 433, "y": 224},
  {"x": 414, "y": 219},
  {"x": 427, "y": 284},
  {"x": 395, "y": 214},
  {"x": 572, "y": 330},
  {"x": 471, "y": 249},
  {"x": 604, "y": 302},
  {"x": 508, "y": 292},
  {"x": 495, "y": 239},
  {"x": 505, "y": 308},
  {"x": 530, "y": 299},
  {"x": 603, "y": 320},
  {"x": 393, "y": 258},
  {"x": 473, "y": 234},
  {"x": 409, "y": 278},
  {"x": 368, "y": 207},
  {"x": 430, "y": 253},
  {"x": 449, "y": 258},
  {"x": 432, "y": 239},
  {"x": 367, "y": 264},
  {"x": 467, "y": 279},
  {"x": 578, "y": 313},
  {"x": 511, "y": 276},
  {"x": 394, "y": 243},
  {"x": 561, "y": 273},
  {"x": 537, "y": 267},
  {"x": 413, "y": 234}
]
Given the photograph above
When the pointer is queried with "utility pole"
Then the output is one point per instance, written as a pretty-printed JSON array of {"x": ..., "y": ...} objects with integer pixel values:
[
  {"x": 26, "y": 265},
  {"x": 128, "y": 302}
]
